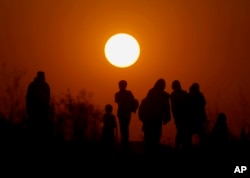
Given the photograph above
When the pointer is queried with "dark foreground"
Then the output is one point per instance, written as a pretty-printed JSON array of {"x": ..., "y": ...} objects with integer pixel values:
[{"x": 93, "y": 160}]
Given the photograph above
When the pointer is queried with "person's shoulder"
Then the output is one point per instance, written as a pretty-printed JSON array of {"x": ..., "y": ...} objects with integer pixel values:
[
  {"x": 32, "y": 85},
  {"x": 117, "y": 93},
  {"x": 33, "y": 82},
  {"x": 113, "y": 116},
  {"x": 166, "y": 93},
  {"x": 45, "y": 83},
  {"x": 184, "y": 91},
  {"x": 150, "y": 92},
  {"x": 105, "y": 116},
  {"x": 172, "y": 93},
  {"x": 201, "y": 94},
  {"x": 129, "y": 91}
]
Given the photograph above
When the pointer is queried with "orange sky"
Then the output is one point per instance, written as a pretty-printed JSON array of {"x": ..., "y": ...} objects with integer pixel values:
[{"x": 192, "y": 41}]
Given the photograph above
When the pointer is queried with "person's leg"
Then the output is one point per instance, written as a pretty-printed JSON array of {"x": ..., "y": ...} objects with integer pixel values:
[
  {"x": 186, "y": 138},
  {"x": 149, "y": 141},
  {"x": 178, "y": 137},
  {"x": 124, "y": 130},
  {"x": 202, "y": 136}
]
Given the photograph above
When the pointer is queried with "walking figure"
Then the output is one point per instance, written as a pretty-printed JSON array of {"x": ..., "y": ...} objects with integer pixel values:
[
  {"x": 154, "y": 111},
  {"x": 180, "y": 109},
  {"x": 109, "y": 130},
  {"x": 126, "y": 102}
]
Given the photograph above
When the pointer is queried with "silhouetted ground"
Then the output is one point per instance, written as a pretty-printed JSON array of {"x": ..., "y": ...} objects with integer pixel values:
[{"x": 92, "y": 159}]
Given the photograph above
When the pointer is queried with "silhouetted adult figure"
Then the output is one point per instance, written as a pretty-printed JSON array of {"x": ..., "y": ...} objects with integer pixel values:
[
  {"x": 180, "y": 109},
  {"x": 219, "y": 133},
  {"x": 154, "y": 115},
  {"x": 38, "y": 107},
  {"x": 197, "y": 112},
  {"x": 109, "y": 130},
  {"x": 125, "y": 100}
]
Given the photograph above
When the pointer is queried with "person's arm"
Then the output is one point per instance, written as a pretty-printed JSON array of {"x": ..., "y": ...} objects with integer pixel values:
[
  {"x": 167, "y": 112},
  {"x": 116, "y": 133},
  {"x": 132, "y": 96},
  {"x": 132, "y": 101}
]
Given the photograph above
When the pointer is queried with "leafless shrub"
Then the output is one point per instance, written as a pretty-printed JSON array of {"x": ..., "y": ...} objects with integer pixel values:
[
  {"x": 12, "y": 98},
  {"x": 84, "y": 115}
]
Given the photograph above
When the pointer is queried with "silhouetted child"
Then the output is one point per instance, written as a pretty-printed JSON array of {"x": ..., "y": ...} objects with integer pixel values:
[
  {"x": 109, "y": 131},
  {"x": 220, "y": 131}
]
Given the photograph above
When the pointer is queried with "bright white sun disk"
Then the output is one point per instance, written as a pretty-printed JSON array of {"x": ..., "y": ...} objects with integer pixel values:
[{"x": 122, "y": 50}]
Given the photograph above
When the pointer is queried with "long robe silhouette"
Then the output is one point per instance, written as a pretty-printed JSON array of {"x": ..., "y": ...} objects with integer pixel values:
[
  {"x": 154, "y": 111},
  {"x": 38, "y": 106},
  {"x": 180, "y": 109}
]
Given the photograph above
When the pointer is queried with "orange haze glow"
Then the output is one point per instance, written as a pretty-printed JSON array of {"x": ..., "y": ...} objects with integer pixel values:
[{"x": 192, "y": 41}]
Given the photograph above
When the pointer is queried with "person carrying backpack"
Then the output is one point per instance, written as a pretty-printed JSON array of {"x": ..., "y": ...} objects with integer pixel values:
[
  {"x": 126, "y": 105},
  {"x": 154, "y": 111}
]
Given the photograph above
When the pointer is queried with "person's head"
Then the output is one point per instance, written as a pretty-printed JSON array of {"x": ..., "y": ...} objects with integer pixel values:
[
  {"x": 108, "y": 108},
  {"x": 221, "y": 118},
  {"x": 176, "y": 86},
  {"x": 195, "y": 88},
  {"x": 160, "y": 84},
  {"x": 40, "y": 76},
  {"x": 122, "y": 84}
]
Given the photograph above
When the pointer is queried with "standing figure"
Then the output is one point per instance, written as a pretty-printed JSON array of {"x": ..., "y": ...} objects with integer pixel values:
[
  {"x": 125, "y": 100},
  {"x": 154, "y": 111},
  {"x": 109, "y": 130},
  {"x": 197, "y": 112},
  {"x": 219, "y": 134},
  {"x": 180, "y": 109},
  {"x": 38, "y": 107}
]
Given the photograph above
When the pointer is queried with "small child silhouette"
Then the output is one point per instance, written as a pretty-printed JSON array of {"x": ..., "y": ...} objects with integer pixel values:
[
  {"x": 220, "y": 131},
  {"x": 109, "y": 131}
]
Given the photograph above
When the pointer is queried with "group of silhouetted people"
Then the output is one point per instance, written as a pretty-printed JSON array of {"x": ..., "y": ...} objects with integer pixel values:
[
  {"x": 187, "y": 108},
  {"x": 155, "y": 109}
]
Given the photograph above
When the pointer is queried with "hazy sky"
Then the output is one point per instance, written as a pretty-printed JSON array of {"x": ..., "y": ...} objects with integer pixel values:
[{"x": 204, "y": 41}]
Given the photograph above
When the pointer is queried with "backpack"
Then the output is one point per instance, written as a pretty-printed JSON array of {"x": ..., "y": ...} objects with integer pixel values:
[
  {"x": 135, "y": 105},
  {"x": 144, "y": 109}
]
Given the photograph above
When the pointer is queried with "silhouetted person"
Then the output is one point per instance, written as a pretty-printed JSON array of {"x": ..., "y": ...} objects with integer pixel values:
[
  {"x": 156, "y": 113},
  {"x": 180, "y": 109},
  {"x": 197, "y": 112},
  {"x": 125, "y": 100},
  {"x": 109, "y": 130},
  {"x": 219, "y": 134},
  {"x": 37, "y": 107}
]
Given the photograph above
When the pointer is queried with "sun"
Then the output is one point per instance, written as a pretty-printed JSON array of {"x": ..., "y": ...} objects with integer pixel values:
[{"x": 122, "y": 50}]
